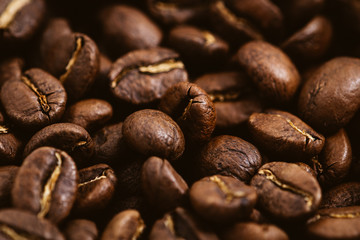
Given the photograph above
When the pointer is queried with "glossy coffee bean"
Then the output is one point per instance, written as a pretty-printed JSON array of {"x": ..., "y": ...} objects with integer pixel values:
[
  {"x": 153, "y": 133},
  {"x": 335, "y": 223},
  {"x": 17, "y": 224},
  {"x": 271, "y": 70},
  {"x": 81, "y": 229},
  {"x": 125, "y": 225},
  {"x": 284, "y": 135},
  {"x": 126, "y": 29},
  {"x": 46, "y": 184},
  {"x": 329, "y": 99},
  {"x": 68, "y": 137},
  {"x": 222, "y": 199},
  {"x": 286, "y": 191},
  {"x": 143, "y": 76},
  {"x": 250, "y": 230},
  {"x": 20, "y": 19},
  {"x": 11, "y": 146},
  {"x": 198, "y": 46},
  {"x": 233, "y": 96},
  {"x": 230, "y": 156},
  {"x": 90, "y": 113},
  {"x": 162, "y": 186},
  {"x": 312, "y": 41},
  {"x": 96, "y": 187},
  {"x": 34, "y": 101},
  {"x": 109, "y": 144},
  {"x": 192, "y": 109},
  {"x": 11, "y": 69},
  {"x": 7, "y": 178},
  {"x": 334, "y": 162},
  {"x": 342, "y": 195}
]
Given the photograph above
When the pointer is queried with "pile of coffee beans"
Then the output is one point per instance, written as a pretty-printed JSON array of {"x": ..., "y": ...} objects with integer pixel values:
[{"x": 179, "y": 119}]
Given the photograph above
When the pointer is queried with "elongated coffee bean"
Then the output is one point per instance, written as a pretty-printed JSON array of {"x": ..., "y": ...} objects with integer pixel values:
[
  {"x": 46, "y": 184},
  {"x": 286, "y": 191}
]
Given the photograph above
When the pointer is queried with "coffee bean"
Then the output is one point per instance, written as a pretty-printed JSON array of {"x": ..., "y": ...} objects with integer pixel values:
[
  {"x": 233, "y": 97},
  {"x": 271, "y": 70},
  {"x": 250, "y": 230},
  {"x": 198, "y": 46},
  {"x": 126, "y": 29},
  {"x": 89, "y": 114},
  {"x": 143, "y": 76},
  {"x": 286, "y": 191},
  {"x": 125, "y": 225},
  {"x": 81, "y": 229},
  {"x": 35, "y": 100},
  {"x": 153, "y": 133},
  {"x": 16, "y": 224},
  {"x": 229, "y": 156},
  {"x": 7, "y": 178},
  {"x": 312, "y": 41},
  {"x": 176, "y": 12},
  {"x": 20, "y": 19},
  {"x": 46, "y": 184},
  {"x": 109, "y": 144},
  {"x": 162, "y": 186},
  {"x": 11, "y": 69},
  {"x": 342, "y": 195},
  {"x": 285, "y": 135},
  {"x": 335, "y": 223},
  {"x": 68, "y": 137},
  {"x": 329, "y": 99},
  {"x": 193, "y": 110},
  {"x": 222, "y": 199},
  {"x": 334, "y": 162},
  {"x": 96, "y": 187},
  {"x": 307, "y": 168},
  {"x": 11, "y": 146}
]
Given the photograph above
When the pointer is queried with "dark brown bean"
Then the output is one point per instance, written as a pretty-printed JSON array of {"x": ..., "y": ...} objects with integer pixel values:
[
  {"x": 7, "y": 178},
  {"x": 81, "y": 229},
  {"x": 342, "y": 195},
  {"x": 46, "y": 184}
]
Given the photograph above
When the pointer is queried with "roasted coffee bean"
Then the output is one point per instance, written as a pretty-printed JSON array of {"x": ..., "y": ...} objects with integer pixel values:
[
  {"x": 232, "y": 26},
  {"x": 285, "y": 135},
  {"x": 68, "y": 137},
  {"x": 35, "y": 100},
  {"x": 11, "y": 146},
  {"x": 20, "y": 19},
  {"x": 46, "y": 184},
  {"x": 250, "y": 230},
  {"x": 198, "y": 46},
  {"x": 81, "y": 229},
  {"x": 126, "y": 29},
  {"x": 271, "y": 70},
  {"x": 125, "y": 225},
  {"x": 96, "y": 187},
  {"x": 329, "y": 99},
  {"x": 286, "y": 191},
  {"x": 7, "y": 178},
  {"x": 164, "y": 229},
  {"x": 307, "y": 168},
  {"x": 335, "y": 223},
  {"x": 342, "y": 195},
  {"x": 17, "y": 224},
  {"x": 222, "y": 199},
  {"x": 11, "y": 69},
  {"x": 89, "y": 114},
  {"x": 192, "y": 109},
  {"x": 143, "y": 76},
  {"x": 162, "y": 186},
  {"x": 72, "y": 57},
  {"x": 109, "y": 143},
  {"x": 312, "y": 41},
  {"x": 230, "y": 156},
  {"x": 177, "y": 12},
  {"x": 334, "y": 162},
  {"x": 232, "y": 95},
  {"x": 153, "y": 133}
]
